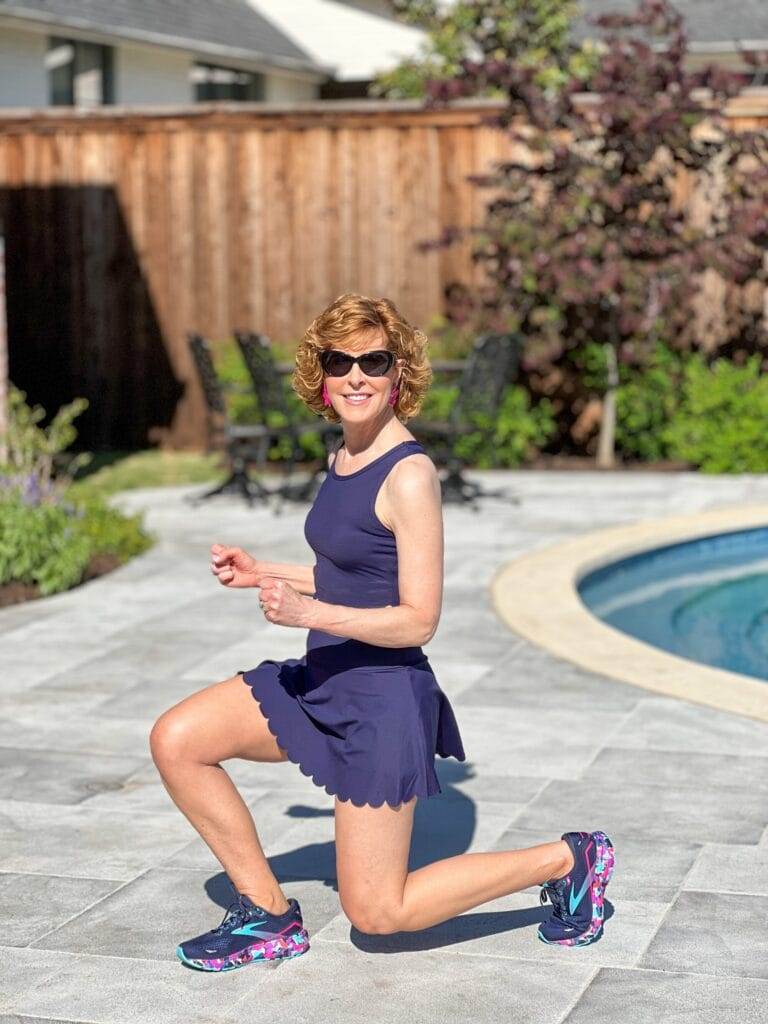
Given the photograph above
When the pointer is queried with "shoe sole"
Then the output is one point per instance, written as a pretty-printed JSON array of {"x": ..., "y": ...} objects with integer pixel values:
[
  {"x": 283, "y": 948},
  {"x": 605, "y": 860}
]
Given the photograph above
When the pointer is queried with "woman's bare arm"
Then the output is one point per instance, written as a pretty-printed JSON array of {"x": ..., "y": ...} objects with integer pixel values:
[
  {"x": 300, "y": 577},
  {"x": 414, "y": 514}
]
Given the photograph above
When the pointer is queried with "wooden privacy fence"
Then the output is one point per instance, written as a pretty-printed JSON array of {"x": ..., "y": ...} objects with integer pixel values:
[{"x": 126, "y": 228}]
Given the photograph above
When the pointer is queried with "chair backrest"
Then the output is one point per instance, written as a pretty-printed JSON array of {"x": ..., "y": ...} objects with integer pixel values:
[
  {"x": 489, "y": 367},
  {"x": 266, "y": 378},
  {"x": 201, "y": 353}
]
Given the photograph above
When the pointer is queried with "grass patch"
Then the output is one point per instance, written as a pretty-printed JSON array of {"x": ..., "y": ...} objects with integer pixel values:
[{"x": 110, "y": 472}]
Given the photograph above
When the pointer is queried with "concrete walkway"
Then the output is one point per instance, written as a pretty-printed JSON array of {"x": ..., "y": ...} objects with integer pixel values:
[{"x": 101, "y": 876}]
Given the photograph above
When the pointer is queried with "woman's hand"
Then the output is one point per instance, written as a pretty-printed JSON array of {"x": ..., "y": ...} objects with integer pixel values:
[
  {"x": 233, "y": 566},
  {"x": 282, "y": 604}
]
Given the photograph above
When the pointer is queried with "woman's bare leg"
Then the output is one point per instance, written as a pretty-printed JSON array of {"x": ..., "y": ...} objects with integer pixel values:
[
  {"x": 187, "y": 742},
  {"x": 378, "y": 893}
]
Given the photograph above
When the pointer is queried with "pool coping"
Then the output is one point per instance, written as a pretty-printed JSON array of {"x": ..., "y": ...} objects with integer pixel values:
[{"x": 536, "y": 596}]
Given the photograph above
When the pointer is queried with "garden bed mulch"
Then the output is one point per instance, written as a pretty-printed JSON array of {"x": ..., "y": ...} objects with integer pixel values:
[{"x": 16, "y": 591}]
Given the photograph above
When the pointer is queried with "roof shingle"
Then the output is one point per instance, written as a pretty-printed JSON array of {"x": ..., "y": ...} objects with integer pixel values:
[{"x": 223, "y": 26}]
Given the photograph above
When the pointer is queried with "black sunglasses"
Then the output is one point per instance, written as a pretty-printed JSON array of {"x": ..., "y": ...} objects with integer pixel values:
[{"x": 373, "y": 364}]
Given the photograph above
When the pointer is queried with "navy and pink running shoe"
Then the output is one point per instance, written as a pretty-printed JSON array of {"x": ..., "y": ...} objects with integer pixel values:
[
  {"x": 246, "y": 935},
  {"x": 577, "y": 899}
]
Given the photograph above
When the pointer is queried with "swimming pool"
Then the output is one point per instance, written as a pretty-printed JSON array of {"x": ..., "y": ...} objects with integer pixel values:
[{"x": 704, "y": 599}]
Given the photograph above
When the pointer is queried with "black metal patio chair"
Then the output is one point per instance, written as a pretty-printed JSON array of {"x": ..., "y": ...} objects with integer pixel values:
[
  {"x": 489, "y": 367},
  {"x": 268, "y": 384},
  {"x": 244, "y": 444}
]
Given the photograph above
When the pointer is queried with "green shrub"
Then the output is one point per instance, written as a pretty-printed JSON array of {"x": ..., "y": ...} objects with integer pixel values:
[
  {"x": 112, "y": 532},
  {"x": 720, "y": 425},
  {"x": 47, "y": 537},
  {"x": 38, "y": 544},
  {"x": 517, "y": 433},
  {"x": 646, "y": 401},
  {"x": 36, "y": 452},
  {"x": 52, "y": 544}
]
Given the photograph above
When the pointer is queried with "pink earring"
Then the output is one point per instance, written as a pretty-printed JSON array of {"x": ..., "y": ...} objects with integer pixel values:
[
  {"x": 326, "y": 396},
  {"x": 393, "y": 394}
]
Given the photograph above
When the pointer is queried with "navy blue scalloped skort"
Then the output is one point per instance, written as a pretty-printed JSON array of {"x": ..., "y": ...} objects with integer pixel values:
[{"x": 364, "y": 722}]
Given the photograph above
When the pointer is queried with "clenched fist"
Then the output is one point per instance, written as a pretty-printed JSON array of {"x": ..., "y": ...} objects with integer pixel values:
[
  {"x": 233, "y": 566},
  {"x": 282, "y": 604}
]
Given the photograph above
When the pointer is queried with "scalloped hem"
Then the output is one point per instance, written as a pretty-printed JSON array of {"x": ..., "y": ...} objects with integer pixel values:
[{"x": 270, "y": 714}]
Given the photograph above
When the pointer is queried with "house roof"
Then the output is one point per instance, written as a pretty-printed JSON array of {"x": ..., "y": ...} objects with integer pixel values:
[
  {"x": 358, "y": 43},
  {"x": 222, "y": 28},
  {"x": 710, "y": 24}
]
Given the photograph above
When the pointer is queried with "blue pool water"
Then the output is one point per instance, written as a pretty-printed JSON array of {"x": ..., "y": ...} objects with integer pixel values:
[{"x": 704, "y": 599}]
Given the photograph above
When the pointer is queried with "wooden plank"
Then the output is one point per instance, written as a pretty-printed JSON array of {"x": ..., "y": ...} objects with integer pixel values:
[{"x": 220, "y": 217}]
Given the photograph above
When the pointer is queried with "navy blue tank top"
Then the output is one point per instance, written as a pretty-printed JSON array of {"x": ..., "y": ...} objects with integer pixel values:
[{"x": 356, "y": 559}]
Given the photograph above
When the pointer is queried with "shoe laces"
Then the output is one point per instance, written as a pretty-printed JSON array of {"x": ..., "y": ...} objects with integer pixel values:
[
  {"x": 236, "y": 915},
  {"x": 556, "y": 893}
]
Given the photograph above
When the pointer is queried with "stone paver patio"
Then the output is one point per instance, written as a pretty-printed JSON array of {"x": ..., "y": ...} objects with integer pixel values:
[{"x": 101, "y": 876}]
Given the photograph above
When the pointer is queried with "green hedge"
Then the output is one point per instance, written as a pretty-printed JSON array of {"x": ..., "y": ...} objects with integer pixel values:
[
  {"x": 721, "y": 423},
  {"x": 52, "y": 544},
  {"x": 518, "y": 432}
]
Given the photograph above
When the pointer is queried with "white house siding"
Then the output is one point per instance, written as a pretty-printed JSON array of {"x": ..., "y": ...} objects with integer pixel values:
[
  {"x": 146, "y": 74},
  {"x": 23, "y": 82},
  {"x": 284, "y": 89}
]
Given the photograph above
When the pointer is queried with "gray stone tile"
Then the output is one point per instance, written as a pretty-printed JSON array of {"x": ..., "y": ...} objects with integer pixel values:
[
  {"x": 150, "y": 647},
  {"x": 275, "y": 642},
  {"x": 712, "y": 933},
  {"x": 19, "y": 670},
  {"x": 50, "y": 777},
  {"x": 192, "y": 902},
  {"x": 53, "y": 702},
  {"x": 646, "y": 869},
  {"x": 113, "y": 990},
  {"x": 101, "y": 676},
  {"x": 460, "y": 781},
  {"x": 433, "y": 985},
  {"x": 649, "y": 997},
  {"x": 230, "y": 612},
  {"x": 454, "y": 675},
  {"x": 528, "y": 675},
  {"x": 520, "y": 740},
  {"x": 16, "y": 616},
  {"x": 679, "y": 769},
  {"x": 19, "y": 968},
  {"x": 719, "y": 815},
  {"x": 56, "y": 839},
  {"x": 37, "y": 730},
  {"x": 153, "y": 657},
  {"x": 739, "y": 869},
  {"x": 134, "y": 797},
  {"x": 677, "y": 725},
  {"x": 17, "y": 1018},
  {"x": 35, "y": 904},
  {"x": 147, "y": 700}
]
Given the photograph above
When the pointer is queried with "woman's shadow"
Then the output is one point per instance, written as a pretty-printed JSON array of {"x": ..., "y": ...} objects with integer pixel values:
[{"x": 442, "y": 827}]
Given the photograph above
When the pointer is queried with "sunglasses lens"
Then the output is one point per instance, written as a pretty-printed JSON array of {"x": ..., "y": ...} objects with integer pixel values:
[
  {"x": 375, "y": 364},
  {"x": 336, "y": 364}
]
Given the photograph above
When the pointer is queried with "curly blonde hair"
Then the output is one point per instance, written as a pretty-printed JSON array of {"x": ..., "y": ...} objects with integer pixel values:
[{"x": 346, "y": 315}]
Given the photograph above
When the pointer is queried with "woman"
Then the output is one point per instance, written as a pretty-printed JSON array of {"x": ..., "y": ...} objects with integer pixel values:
[{"x": 361, "y": 712}]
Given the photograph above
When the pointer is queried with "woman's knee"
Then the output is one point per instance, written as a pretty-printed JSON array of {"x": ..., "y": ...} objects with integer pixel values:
[
  {"x": 170, "y": 739},
  {"x": 372, "y": 919}
]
